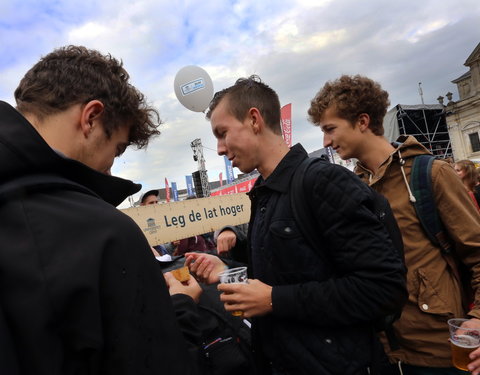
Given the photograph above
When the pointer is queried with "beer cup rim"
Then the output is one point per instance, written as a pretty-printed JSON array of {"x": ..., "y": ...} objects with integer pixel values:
[{"x": 453, "y": 323}]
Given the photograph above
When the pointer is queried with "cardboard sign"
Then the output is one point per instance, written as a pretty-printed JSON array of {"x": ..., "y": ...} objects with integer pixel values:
[{"x": 167, "y": 222}]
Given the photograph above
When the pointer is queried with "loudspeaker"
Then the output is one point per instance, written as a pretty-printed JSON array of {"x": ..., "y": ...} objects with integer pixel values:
[{"x": 197, "y": 182}]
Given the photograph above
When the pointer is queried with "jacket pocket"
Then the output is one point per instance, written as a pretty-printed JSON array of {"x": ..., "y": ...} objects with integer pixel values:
[
  {"x": 294, "y": 259},
  {"x": 432, "y": 299},
  {"x": 285, "y": 229},
  {"x": 291, "y": 255}
]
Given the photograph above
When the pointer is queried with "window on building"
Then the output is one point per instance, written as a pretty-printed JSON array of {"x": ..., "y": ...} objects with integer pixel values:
[{"x": 475, "y": 141}]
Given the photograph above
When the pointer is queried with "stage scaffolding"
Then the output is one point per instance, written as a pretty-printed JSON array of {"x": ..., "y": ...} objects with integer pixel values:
[{"x": 426, "y": 122}]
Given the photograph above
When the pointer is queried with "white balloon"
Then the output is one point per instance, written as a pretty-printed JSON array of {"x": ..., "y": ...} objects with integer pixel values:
[{"x": 193, "y": 88}]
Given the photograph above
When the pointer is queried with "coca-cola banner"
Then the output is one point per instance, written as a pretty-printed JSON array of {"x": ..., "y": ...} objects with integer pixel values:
[
  {"x": 286, "y": 120},
  {"x": 242, "y": 187},
  {"x": 167, "y": 191}
]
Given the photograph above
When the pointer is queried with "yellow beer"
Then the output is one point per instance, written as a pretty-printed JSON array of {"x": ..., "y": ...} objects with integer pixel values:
[{"x": 462, "y": 346}]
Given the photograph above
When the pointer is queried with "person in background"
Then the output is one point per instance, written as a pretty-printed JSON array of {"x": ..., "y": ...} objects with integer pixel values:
[
  {"x": 232, "y": 242},
  {"x": 476, "y": 189},
  {"x": 148, "y": 198},
  {"x": 196, "y": 243},
  {"x": 466, "y": 171}
]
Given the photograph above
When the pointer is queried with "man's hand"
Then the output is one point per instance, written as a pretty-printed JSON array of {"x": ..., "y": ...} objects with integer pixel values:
[
  {"x": 225, "y": 241},
  {"x": 190, "y": 287},
  {"x": 155, "y": 252},
  {"x": 254, "y": 298},
  {"x": 205, "y": 267},
  {"x": 474, "y": 366}
]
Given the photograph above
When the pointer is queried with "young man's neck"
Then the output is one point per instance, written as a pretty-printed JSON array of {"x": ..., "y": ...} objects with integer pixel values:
[
  {"x": 58, "y": 130},
  {"x": 374, "y": 152},
  {"x": 273, "y": 151}
]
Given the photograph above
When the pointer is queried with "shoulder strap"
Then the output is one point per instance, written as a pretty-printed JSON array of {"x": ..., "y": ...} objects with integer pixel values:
[
  {"x": 302, "y": 213},
  {"x": 427, "y": 213},
  {"x": 425, "y": 206},
  {"x": 23, "y": 185}
]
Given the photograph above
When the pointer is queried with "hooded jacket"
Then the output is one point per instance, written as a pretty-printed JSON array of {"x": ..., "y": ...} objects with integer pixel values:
[
  {"x": 434, "y": 291},
  {"x": 80, "y": 289}
]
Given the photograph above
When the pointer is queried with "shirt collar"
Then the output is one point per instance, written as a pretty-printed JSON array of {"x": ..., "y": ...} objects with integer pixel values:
[{"x": 280, "y": 178}]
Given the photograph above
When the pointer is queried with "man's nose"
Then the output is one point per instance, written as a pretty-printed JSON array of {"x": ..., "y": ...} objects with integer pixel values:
[
  {"x": 221, "y": 149},
  {"x": 327, "y": 141}
]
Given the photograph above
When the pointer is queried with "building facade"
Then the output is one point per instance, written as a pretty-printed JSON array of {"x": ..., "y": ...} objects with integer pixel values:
[{"x": 463, "y": 116}]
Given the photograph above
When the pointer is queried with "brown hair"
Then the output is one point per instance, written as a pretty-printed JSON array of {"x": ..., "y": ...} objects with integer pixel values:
[
  {"x": 351, "y": 96},
  {"x": 247, "y": 93},
  {"x": 470, "y": 178},
  {"x": 76, "y": 75}
]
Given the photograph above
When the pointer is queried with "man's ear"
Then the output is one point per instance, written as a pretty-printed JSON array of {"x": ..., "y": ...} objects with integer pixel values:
[
  {"x": 363, "y": 121},
  {"x": 255, "y": 119},
  {"x": 91, "y": 113}
]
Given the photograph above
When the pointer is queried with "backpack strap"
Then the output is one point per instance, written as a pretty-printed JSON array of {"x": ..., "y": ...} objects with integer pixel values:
[
  {"x": 305, "y": 220},
  {"x": 302, "y": 212},
  {"x": 425, "y": 206},
  {"x": 427, "y": 213}
]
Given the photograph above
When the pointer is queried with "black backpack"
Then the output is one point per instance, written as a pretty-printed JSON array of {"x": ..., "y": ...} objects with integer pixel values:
[
  {"x": 226, "y": 344},
  {"x": 304, "y": 217}
]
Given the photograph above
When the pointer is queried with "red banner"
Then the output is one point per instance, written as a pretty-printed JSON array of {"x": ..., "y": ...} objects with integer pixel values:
[
  {"x": 243, "y": 187},
  {"x": 220, "y": 178},
  {"x": 286, "y": 122},
  {"x": 167, "y": 191}
]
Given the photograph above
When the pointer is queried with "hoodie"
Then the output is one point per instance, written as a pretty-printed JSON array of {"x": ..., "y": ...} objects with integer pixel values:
[{"x": 79, "y": 287}]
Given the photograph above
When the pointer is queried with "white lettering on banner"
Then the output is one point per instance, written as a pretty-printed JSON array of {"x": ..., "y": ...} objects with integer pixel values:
[{"x": 167, "y": 222}]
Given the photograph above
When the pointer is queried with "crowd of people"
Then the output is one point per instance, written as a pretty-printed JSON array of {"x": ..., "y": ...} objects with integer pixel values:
[{"x": 83, "y": 293}]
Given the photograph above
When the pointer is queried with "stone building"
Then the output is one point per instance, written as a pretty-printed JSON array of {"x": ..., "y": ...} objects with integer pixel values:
[{"x": 463, "y": 116}]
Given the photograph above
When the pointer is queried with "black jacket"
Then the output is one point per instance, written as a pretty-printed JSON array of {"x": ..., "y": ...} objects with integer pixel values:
[
  {"x": 80, "y": 289},
  {"x": 325, "y": 300}
]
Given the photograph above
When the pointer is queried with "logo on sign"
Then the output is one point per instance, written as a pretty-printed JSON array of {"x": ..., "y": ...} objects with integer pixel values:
[
  {"x": 151, "y": 227},
  {"x": 192, "y": 86}
]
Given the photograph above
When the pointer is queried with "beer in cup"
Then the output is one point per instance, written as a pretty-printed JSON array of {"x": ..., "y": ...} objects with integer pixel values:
[
  {"x": 181, "y": 274},
  {"x": 234, "y": 276},
  {"x": 463, "y": 341}
]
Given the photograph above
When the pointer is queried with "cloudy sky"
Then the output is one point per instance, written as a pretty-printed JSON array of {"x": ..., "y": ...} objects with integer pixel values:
[{"x": 295, "y": 46}]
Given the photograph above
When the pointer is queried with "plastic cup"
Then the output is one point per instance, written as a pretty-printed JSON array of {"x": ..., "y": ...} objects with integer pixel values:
[
  {"x": 234, "y": 276},
  {"x": 463, "y": 341}
]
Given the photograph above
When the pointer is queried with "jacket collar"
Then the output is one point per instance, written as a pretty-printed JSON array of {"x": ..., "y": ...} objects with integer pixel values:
[
  {"x": 280, "y": 178},
  {"x": 23, "y": 151},
  {"x": 405, "y": 146}
]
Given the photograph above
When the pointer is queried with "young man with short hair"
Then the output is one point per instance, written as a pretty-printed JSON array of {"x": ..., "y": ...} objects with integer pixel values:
[
  {"x": 313, "y": 308},
  {"x": 81, "y": 290},
  {"x": 350, "y": 113}
]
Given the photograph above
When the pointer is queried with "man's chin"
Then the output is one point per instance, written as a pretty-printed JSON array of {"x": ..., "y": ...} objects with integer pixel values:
[
  {"x": 343, "y": 156},
  {"x": 245, "y": 169}
]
